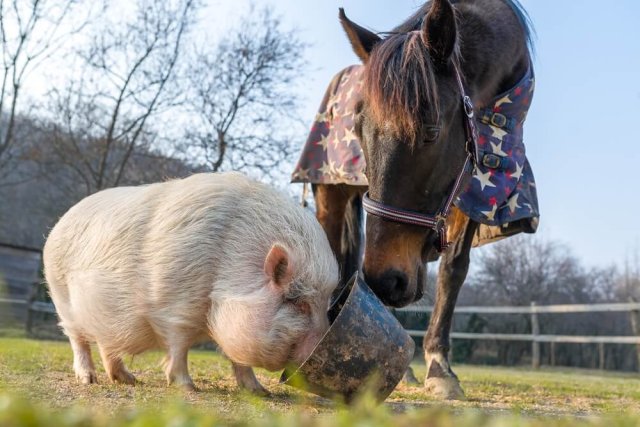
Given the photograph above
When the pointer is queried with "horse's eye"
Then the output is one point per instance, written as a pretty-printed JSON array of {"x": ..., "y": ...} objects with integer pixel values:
[{"x": 431, "y": 134}]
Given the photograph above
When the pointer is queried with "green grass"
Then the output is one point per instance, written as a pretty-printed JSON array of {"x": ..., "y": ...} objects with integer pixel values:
[{"x": 37, "y": 387}]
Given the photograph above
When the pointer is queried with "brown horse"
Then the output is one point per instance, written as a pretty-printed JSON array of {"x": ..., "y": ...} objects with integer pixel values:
[{"x": 411, "y": 125}]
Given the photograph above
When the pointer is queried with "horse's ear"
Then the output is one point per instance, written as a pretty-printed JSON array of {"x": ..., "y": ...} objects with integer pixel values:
[
  {"x": 362, "y": 40},
  {"x": 439, "y": 32}
]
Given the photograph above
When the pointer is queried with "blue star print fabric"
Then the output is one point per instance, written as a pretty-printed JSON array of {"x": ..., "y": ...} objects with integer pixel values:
[{"x": 502, "y": 188}]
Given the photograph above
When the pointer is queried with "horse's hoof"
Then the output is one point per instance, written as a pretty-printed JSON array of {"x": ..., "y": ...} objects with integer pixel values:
[{"x": 447, "y": 388}]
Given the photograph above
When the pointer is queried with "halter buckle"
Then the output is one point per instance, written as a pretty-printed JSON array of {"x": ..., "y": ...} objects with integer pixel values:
[
  {"x": 498, "y": 120},
  {"x": 441, "y": 222},
  {"x": 468, "y": 106}
]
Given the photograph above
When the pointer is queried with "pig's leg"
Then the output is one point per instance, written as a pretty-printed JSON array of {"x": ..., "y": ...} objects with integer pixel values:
[
  {"x": 247, "y": 380},
  {"x": 82, "y": 362},
  {"x": 114, "y": 367},
  {"x": 176, "y": 368}
]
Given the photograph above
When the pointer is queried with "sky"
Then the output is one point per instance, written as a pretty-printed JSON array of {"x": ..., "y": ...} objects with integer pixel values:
[{"x": 583, "y": 130}]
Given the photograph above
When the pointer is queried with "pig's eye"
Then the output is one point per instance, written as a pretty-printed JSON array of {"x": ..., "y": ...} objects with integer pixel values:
[
  {"x": 291, "y": 300},
  {"x": 299, "y": 304}
]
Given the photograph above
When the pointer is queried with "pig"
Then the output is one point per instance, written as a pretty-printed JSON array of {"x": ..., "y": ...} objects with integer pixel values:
[{"x": 166, "y": 265}]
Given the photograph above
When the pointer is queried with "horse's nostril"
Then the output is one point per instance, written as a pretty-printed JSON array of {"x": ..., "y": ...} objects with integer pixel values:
[
  {"x": 395, "y": 281},
  {"x": 393, "y": 287}
]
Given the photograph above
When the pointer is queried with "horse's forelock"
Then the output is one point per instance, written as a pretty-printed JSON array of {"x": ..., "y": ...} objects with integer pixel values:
[{"x": 400, "y": 85}]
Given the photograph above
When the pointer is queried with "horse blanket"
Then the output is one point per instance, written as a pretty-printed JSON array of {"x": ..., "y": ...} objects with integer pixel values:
[{"x": 502, "y": 191}]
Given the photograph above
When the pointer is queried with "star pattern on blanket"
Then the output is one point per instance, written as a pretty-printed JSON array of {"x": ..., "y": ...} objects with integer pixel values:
[
  {"x": 502, "y": 194},
  {"x": 494, "y": 195},
  {"x": 333, "y": 154}
]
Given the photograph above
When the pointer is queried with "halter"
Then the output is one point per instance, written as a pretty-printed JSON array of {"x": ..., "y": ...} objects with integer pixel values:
[{"x": 436, "y": 221}]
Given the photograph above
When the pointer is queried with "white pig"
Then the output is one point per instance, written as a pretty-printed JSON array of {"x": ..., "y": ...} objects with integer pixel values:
[{"x": 212, "y": 256}]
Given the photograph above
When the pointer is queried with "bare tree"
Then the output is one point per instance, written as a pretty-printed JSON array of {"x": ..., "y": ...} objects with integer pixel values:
[
  {"x": 243, "y": 99},
  {"x": 629, "y": 281},
  {"x": 523, "y": 269},
  {"x": 127, "y": 78},
  {"x": 628, "y": 289},
  {"x": 30, "y": 32}
]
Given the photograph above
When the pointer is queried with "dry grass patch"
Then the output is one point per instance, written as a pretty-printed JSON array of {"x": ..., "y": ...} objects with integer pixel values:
[{"x": 40, "y": 372}]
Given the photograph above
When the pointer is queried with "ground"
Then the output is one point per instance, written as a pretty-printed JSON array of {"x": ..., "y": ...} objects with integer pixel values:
[{"x": 37, "y": 375}]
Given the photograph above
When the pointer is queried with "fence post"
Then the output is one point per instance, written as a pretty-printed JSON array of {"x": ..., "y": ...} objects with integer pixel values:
[
  {"x": 535, "y": 331},
  {"x": 634, "y": 316},
  {"x": 601, "y": 355},
  {"x": 553, "y": 353}
]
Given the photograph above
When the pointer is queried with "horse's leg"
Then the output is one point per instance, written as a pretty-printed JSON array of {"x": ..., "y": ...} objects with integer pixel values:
[
  {"x": 440, "y": 379},
  {"x": 339, "y": 211},
  {"x": 352, "y": 235}
]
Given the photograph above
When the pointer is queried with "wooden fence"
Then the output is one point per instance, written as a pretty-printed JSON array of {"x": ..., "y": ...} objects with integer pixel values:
[
  {"x": 19, "y": 270},
  {"x": 535, "y": 336}
]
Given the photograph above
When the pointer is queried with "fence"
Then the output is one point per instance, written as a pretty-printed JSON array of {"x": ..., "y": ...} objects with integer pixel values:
[
  {"x": 535, "y": 336},
  {"x": 19, "y": 270}
]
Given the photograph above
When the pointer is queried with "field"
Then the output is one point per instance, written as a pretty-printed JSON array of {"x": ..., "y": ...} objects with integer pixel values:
[{"x": 37, "y": 387}]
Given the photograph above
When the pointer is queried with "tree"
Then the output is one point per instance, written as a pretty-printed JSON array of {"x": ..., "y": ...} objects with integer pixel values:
[
  {"x": 30, "y": 32},
  {"x": 629, "y": 290},
  {"x": 127, "y": 78},
  {"x": 629, "y": 282},
  {"x": 242, "y": 98},
  {"x": 524, "y": 269}
]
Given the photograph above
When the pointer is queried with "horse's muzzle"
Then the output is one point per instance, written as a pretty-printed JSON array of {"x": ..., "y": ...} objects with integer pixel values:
[{"x": 395, "y": 288}]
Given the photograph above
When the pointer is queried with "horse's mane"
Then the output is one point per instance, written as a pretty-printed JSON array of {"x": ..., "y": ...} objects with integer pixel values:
[
  {"x": 414, "y": 21},
  {"x": 400, "y": 75},
  {"x": 400, "y": 84},
  {"x": 525, "y": 21}
]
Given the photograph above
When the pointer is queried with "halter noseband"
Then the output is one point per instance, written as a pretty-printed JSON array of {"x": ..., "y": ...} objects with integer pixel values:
[{"x": 437, "y": 221}]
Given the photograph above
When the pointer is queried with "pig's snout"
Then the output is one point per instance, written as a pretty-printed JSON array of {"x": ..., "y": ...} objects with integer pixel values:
[{"x": 306, "y": 346}]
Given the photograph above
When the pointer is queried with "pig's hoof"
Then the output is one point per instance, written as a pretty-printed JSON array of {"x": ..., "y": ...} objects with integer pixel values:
[
  {"x": 447, "y": 388},
  {"x": 260, "y": 392},
  {"x": 87, "y": 378},
  {"x": 409, "y": 377},
  {"x": 256, "y": 389},
  {"x": 124, "y": 377},
  {"x": 189, "y": 387}
]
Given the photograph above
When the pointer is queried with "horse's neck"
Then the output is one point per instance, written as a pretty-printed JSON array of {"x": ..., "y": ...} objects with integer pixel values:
[{"x": 493, "y": 47}]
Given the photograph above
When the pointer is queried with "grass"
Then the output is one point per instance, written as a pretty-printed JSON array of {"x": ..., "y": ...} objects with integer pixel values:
[{"x": 37, "y": 387}]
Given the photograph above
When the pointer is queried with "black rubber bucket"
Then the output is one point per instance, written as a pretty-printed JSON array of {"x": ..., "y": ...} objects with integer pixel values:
[{"x": 365, "y": 347}]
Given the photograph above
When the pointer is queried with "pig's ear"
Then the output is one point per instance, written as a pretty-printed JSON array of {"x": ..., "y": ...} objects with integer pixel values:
[{"x": 277, "y": 265}]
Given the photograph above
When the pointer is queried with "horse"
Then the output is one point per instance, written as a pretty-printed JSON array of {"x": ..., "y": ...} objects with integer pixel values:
[{"x": 421, "y": 85}]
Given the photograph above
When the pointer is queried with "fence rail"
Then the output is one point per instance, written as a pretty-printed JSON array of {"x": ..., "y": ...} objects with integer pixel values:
[
  {"x": 539, "y": 309},
  {"x": 576, "y": 339},
  {"x": 535, "y": 337}
]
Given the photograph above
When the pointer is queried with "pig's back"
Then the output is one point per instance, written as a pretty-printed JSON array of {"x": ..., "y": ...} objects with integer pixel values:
[
  {"x": 125, "y": 229},
  {"x": 145, "y": 258}
]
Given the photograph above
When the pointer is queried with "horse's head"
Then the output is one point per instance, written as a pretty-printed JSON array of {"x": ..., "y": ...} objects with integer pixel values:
[{"x": 411, "y": 126}]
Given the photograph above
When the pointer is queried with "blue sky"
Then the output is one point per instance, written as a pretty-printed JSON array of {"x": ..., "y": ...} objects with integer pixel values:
[{"x": 583, "y": 130}]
